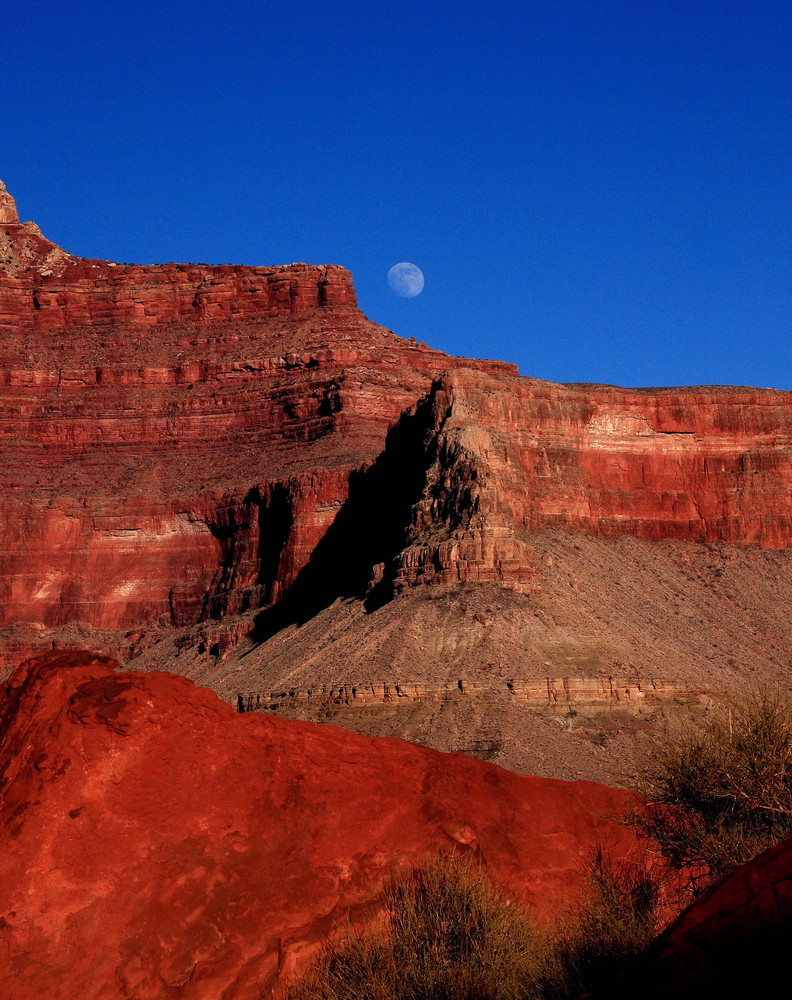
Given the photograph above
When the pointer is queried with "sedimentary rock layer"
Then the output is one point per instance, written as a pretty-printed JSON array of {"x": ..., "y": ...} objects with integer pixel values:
[
  {"x": 512, "y": 456},
  {"x": 551, "y": 694},
  {"x": 184, "y": 442}
]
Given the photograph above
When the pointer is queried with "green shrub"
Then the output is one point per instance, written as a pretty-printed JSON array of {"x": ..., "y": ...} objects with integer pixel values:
[{"x": 722, "y": 793}]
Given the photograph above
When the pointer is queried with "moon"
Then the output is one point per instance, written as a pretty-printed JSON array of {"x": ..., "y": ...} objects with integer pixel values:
[{"x": 406, "y": 280}]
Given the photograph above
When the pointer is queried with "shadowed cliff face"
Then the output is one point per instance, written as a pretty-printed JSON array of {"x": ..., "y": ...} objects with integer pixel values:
[
  {"x": 367, "y": 532},
  {"x": 183, "y": 442}
]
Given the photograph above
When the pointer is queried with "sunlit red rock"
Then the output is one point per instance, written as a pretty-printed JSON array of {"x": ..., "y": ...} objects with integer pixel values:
[
  {"x": 155, "y": 419},
  {"x": 8, "y": 209},
  {"x": 509, "y": 456},
  {"x": 186, "y": 441},
  {"x": 154, "y": 843}
]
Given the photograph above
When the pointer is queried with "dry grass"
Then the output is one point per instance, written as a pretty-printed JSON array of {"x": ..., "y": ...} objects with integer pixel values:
[
  {"x": 451, "y": 934},
  {"x": 617, "y": 917},
  {"x": 722, "y": 794}
]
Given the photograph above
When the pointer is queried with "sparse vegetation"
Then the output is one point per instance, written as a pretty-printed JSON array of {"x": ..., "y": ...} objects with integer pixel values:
[
  {"x": 722, "y": 793},
  {"x": 616, "y": 919},
  {"x": 450, "y": 934}
]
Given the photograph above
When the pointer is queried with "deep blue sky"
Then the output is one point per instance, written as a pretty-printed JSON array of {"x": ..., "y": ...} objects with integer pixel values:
[{"x": 599, "y": 191}]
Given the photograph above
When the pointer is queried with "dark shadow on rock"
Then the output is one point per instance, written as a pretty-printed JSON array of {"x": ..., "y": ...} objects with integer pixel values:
[{"x": 370, "y": 528}]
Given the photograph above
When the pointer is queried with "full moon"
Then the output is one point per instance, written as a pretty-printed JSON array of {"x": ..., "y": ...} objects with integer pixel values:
[{"x": 406, "y": 280}]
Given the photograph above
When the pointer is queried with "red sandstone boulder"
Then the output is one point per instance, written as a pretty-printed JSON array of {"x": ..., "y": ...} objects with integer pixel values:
[
  {"x": 735, "y": 942},
  {"x": 155, "y": 843}
]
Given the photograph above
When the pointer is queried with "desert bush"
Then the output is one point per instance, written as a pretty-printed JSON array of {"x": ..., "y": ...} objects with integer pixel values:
[
  {"x": 722, "y": 793},
  {"x": 719, "y": 794},
  {"x": 616, "y": 918},
  {"x": 449, "y": 934}
]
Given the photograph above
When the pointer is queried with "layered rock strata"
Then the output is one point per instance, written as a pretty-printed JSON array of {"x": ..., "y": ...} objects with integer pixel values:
[
  {"x": 542, "y": 693},
  {"x": 191, "y": 443},
  {"x": 512, "y": 456},
  {"x": 179, "y": 438}
]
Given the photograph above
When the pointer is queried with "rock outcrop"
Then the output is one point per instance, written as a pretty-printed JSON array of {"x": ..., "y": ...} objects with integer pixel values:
[
  {"x": 154, "y": 843},
  {"x": 732, "y": 943},
  {"x": 549, "y": 694},
  {"x": 512, "y": 456},
  {"x": 8, "y": 209}
]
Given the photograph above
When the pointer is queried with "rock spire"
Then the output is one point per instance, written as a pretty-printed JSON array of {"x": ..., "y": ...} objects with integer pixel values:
[{"x": 8, "y": 209}]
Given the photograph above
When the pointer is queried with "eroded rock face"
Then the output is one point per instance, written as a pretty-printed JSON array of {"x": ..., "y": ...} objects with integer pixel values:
[
  {"x": 511, "y": 456},
  {"x": 8, "y": 209},
  {"x": 178, "y": 438},
  {"x": 154, "y": 842},
  {"x": 187, "y": 442}
]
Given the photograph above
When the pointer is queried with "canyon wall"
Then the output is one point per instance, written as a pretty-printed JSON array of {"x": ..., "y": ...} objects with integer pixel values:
[
  {"x": 510, "y": 456},
  {"x": 189, "y": 441},
  {"x": 178, "y": 438}
]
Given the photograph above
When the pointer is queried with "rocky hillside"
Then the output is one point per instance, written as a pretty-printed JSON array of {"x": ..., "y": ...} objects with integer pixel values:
[{"x": 231, "y": 471}]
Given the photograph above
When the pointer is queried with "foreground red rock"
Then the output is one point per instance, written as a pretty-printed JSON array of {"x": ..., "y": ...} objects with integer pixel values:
[
  {"x": 735, "y": 942},
  {"x": 155, "y": 843}
]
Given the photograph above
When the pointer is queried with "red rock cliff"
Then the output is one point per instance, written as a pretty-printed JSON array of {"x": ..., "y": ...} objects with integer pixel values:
[
  {"x": 177, "y": 439},
  {"x": 507, "y": 456},
  {"x": 180, "y": 440}
]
